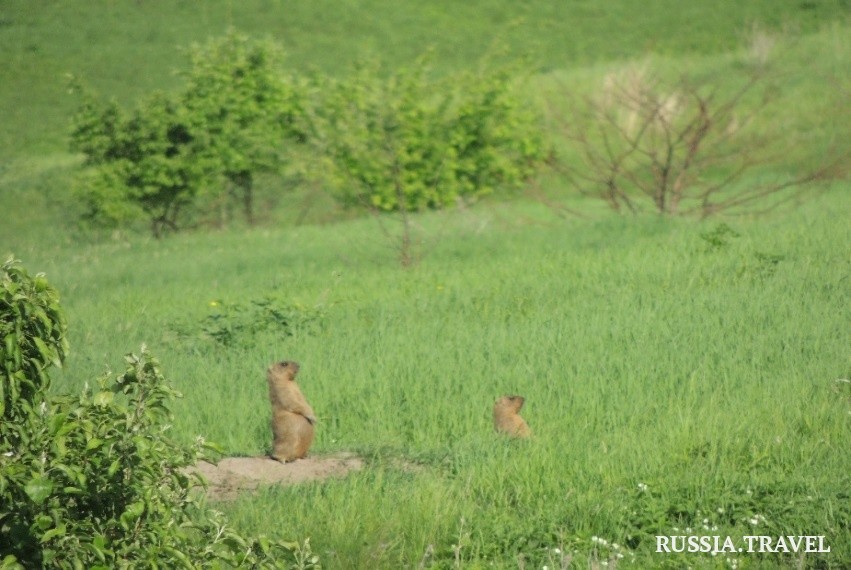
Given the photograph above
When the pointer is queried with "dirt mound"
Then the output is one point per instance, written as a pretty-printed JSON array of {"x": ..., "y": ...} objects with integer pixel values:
[{"x": 233, "y": 475}]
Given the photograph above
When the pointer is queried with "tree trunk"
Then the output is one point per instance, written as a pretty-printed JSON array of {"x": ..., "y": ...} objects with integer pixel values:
[{"x": 244, "y": 181}]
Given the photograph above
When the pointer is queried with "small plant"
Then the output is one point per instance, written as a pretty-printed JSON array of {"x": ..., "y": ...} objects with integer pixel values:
[
  {"x": 605, "y": 553},
  {"x": 237, "y": 324},
  {"x": 719, "y": 236},
  {"x": 765, "y": 264}
]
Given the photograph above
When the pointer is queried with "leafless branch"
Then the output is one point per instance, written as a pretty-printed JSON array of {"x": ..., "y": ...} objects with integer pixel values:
[{"x": 685, "y": 147}]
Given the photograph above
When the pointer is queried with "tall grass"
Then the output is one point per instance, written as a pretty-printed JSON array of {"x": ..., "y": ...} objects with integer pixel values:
[{"x": 649, "y": 353}]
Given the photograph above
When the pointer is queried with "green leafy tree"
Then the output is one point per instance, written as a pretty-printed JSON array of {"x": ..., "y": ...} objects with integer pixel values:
[
  {"x": 403, "y": 142},
  {"x": 406, "y": 142},
  {"x": 385, "y": 137},
  {"x": 244, "y": 110},
  {"x": 141, "y": 165},
  {"x": 94, "y": 480},
  {"x": 232, "y": 120},
  {"x": 494, "y": 135}
]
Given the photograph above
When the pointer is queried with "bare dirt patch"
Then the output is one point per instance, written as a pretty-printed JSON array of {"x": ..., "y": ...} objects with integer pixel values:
[{"x": 234, "y": 475}]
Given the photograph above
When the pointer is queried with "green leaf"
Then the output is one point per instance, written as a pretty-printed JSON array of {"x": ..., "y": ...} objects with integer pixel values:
[
  {"x": 99, "y": 542},
  {"x": 43, "y": 522},
  {"x": 38, "y": 489},
  {"x": 11, "y": 343},
  {"x": 100, "y": 547},
  {"x": 44, "y": 351},
  {"x": 10, "y": 563},
  {"x": 132, "y": 514},
  {"x": 179, "y": 556},
  {"x": 57, "y": 422},
  {"x": 58, "y": 531},
  {"x": 103, "y": 399}
]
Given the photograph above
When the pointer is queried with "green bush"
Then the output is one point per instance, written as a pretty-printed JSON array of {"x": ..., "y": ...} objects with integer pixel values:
[
  {"x": 403, "y": 142},
  {"x": 246, "y": 111},
  {"x": 32, "y": 331},
  {"x": 184, "y": 151},
  {"x": 231, "y": 324},
  {"x": 94, "y": 480},
  {"x": 139, "y": 167},
  {"x": 407, "y": 143}
]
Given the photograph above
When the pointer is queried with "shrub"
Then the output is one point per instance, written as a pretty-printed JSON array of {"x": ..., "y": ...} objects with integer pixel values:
[
  {"x": 408, "y": 143},
  {"x": 404, "y": 142},
  {"x": 94, "y": 480},
  {"x": 240, "y": 324},
  {"x": 245, "y": 111},
  {"x": 32, "y": 338},
  {"x": 210, "y": 139},
  {"x": 141, "y": 166}
]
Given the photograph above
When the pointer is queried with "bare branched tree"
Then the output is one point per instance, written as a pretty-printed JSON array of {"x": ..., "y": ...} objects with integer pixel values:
[{"x": 686, "y": 149}]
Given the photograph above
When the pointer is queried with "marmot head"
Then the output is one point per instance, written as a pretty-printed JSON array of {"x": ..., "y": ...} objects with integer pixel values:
[
  {"x": 510, "y": 403},
  {"x": 286, "y": 367}
]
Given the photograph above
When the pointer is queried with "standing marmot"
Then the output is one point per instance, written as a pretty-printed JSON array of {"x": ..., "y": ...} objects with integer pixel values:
[
  {"x": 292, "y": 416},
  {"x": 506, "y": 418}
]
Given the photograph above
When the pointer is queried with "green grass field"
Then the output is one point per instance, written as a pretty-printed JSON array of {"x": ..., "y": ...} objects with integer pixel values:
[{"x": 679, "y": 378}]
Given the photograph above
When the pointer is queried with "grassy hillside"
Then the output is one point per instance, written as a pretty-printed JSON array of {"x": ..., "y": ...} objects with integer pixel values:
[
  {"x": 680, "y": 377},
  {"x": 126, "y": 49}
]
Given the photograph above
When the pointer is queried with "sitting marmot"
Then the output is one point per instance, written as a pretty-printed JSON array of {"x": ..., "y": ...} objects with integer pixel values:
[
  {"x": 506, "y": 418},
  {"x": 292, "y": 416}
]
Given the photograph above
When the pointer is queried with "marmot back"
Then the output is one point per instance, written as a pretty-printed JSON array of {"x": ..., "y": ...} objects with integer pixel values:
[
  {"x": 506, "y": 417},
  {"x": 292, "y": 416}
]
